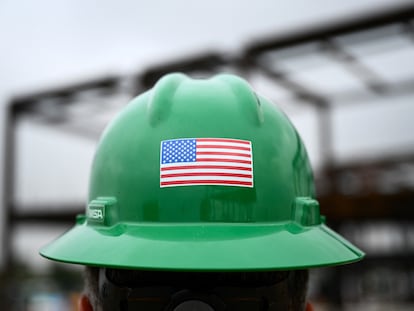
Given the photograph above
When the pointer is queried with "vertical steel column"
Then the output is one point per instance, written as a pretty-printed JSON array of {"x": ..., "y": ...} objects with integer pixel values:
[{"x": 8, "y": 188}]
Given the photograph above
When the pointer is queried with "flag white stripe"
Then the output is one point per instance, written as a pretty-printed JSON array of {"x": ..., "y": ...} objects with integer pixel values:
[
  {"x": 216, "y": 182},
  {"x": 246, "y": 152}
]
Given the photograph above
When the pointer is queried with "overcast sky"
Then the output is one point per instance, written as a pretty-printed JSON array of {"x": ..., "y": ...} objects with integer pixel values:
[{"x": 49, "y": 42}]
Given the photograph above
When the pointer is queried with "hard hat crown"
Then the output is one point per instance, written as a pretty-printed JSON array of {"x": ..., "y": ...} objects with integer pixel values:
[
  {"x": 254, "y": 163},
  {"x": 198, "y": 175}
]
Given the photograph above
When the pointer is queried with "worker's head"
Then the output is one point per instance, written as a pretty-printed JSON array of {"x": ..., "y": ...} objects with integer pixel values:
[
  {"x": 119, "y": 289},
  {"x": 200, "y": 182}
]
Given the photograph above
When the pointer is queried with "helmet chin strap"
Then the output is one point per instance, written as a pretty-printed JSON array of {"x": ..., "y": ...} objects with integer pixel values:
[{"x": 193, "y": 305}]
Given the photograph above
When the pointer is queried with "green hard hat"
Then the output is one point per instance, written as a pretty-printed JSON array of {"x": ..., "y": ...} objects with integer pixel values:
[{"x": 201, "y": 175}]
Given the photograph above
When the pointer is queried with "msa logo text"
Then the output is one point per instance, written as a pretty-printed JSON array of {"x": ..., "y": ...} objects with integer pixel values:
[{"x": 96, "y": 213}]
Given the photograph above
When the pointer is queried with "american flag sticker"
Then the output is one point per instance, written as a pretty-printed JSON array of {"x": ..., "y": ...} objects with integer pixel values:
[{"x": 206, "y": 161}]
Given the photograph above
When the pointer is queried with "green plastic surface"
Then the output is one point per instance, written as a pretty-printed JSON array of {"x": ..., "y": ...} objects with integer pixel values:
[{"x": 132, "y": 222}]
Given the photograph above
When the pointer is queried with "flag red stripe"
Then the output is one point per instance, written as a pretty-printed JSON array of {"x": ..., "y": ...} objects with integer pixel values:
[
  {"x": 223, "y": 140},
  {"x": 206, "y": 174},
  {"x": 223, "y": 153},
  {"x": 224, "y": 147},
  {"x": 224, "y": 167},
  {"x": 206, "y": 182}
]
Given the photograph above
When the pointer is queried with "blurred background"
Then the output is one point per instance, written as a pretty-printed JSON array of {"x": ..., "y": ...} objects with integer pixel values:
[{"x": 342, "y": 70}]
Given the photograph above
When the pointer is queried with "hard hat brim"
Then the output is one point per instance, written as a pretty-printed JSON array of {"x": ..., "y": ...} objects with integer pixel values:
[{"x": 203, "y": 247}]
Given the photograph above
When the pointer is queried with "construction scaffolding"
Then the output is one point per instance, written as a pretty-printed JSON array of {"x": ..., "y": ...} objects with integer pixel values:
[{"x": 358, "y": 196}]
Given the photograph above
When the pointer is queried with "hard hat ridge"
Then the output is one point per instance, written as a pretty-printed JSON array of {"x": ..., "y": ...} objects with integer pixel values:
[
  {"x": 162, "y": 97},
  {"x": 176, "y": 89}
]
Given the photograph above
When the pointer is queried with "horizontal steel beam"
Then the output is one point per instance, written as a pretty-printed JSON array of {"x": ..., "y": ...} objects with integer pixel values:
[{"x": 311, "y": 34}]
